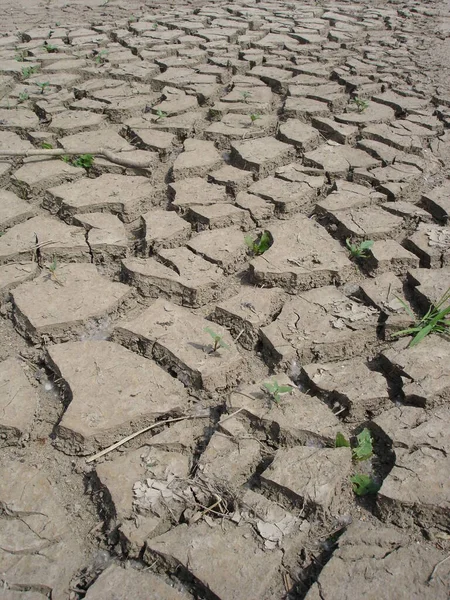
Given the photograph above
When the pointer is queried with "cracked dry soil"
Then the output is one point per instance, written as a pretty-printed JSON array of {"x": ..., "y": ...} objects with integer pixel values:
[{"x": 316, "y": 122}]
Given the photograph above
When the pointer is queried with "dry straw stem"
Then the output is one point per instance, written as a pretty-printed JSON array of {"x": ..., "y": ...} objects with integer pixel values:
[
  {"x": 118, "y": 159},
  {"x": 140, "y": 432}
]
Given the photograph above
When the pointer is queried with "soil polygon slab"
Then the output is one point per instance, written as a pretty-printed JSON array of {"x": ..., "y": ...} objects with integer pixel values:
[
  {"x": 229, "y": 462},
  {"x": 235, "y": 180},
  {"x": 338, "y": 132},
  {"x": 39, "y": 552},
  {"x": 373, "y": 558},
  {"x": 13, "y": 210},
  {"x": 429, "y": 285},
  {"x": 59, "y": 240},
  {"x": 123, "y": 584},
  {"x": 431, "y": 243},
  {"x": 338, "y": 160},
  {"x": 416, "y": 489},
  {"x": 262, "y": 155},
  {"x": 60, "y": 307},
  {"x": 437, "y": 202},
  {"x": 195, "y": 191},
  {"x": 303, "y": 255},
  {"x": 177, "y": 338},
  {"x": 388, "y": 255},
  {"x": 421, "y": 372},
  {"x": 36, "y": 175},
  {"x": 288, "y": 197},
  {"x": 239, "y": 127},
  {"x": 125, "y": 196},
  {"x": 245, "y": 313},
  {"x": 74, "y": 121},
  {"x": 107, "y": 237},
  {"x": 200, "y": 550},
  {"x": 150, "y": 513},
  {"x": 302, "y": 135},
  {"x": 164, "y": 229},
  {"x": 198, "y": 158},
  {"x": 351, "y": 384},
  {"x": 374, "y": 113},
  {"x": 321, "y": 324},
  {"x": 305, "y": 108},
  {"x": 218, "y": 216},
  {"x": 18, "y": 402},
  {"x": 259, "y": 209},
  {"x": 223, "y": 247},
  {"x": 16, "y": 120},
  {"x": 110, "y": 390},
  {"x": 310, "y": 478},
  {"x": 348, "y": 195},
  {"x": 182, "y": 276},
  {"x": 298, "y": 419},
  {"x": 14, "y": 274},
  {"x": 368, "y": 222}
]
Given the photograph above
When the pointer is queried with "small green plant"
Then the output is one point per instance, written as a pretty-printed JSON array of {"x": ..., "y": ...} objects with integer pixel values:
[
  {"x": 23, "y": 96},
  {"x": 359, "y": 250},
  {"x": 155, "y": 26},
  {"x": 20, "y": 55},
  {"x": 363, "y": 484},
  {"x": 275, "y": 390},
  {"x": 435, "y": 320},
  {"x": 217, "y": 339},
  {"x": 85, "y": 160},
  {"x": 246, "y": 95},
  {"x": 43, "y": 86},
  {"x": 46, "y": 146},
  {"x": 27, "y": 71},
  {"x": 51, "y": 48},
  {"x": 361, "y": 104},
  {"x": 100, "y": 57},
  {"x": 260, "y": 245},
  {"x": 364, "y": 447},
  {"x": 160, "y": 114},
  {"x": 254, "y": 117},
  {"x": 52, "y": 268},
  {"x": 66, "y": 159}
]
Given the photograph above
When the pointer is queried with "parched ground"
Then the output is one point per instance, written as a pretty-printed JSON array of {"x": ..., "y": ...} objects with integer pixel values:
[{"x": 132, "y": 305}]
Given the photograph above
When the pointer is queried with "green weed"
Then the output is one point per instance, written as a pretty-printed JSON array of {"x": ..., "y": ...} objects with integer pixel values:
[
  {"x": 363, "y": 484},
  {"x": 255, "y": 117},
  {"x": 85, "y": 160},
  {"x": 361, "y": 104},
  {"x": 160, "y": 114},
  {"x": 23, "y": 96},
  {"x": 246, "y": 95},
  {"x": 46, "y": 146},
  {"x": 43, "y": 86},
  {"x": 100, "y": 57},
  {"x": 51, "y": 48},
  {"x": 364, "y": 447},
  {"x": 260, "y": 245},
  {"x": 435, "y": 320},
  {"x": 275, "y": 390},
  {"x": 217, "y": 339},
  {"x": 27, "y": 71},
  {"x": 359, "y": 250}
]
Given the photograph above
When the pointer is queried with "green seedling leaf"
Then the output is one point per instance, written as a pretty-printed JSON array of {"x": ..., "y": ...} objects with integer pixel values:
[
  {"x": 363, "y": 485},
  {"x": 255, "y": 117},
  {"x": 161, "y": 114},
  {"x": 44, "y": 85},
  {"x": 366, "y": 245},
  {"x": 260, "y": 245},
  {"x": 85, "y": 160},
  {"x": 364, "y": 449},
  {"x": 359, "y": 250},
  {"x": 54, "y": 265},
  {"x": 341, "y": 441},
  {"x": 46, "y": 146},
  {"x": 217, "y": 339},
  {"x": 275, "y": 390}
]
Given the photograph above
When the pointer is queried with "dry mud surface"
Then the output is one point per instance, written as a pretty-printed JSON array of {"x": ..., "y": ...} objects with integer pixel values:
[{"x": 229, "y": 119}]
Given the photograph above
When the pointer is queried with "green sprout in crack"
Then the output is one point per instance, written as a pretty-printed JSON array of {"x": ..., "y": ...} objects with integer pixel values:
[
  {"x": 217, "y": 339},
  {"x": 359, "y": 250},
  {"x": 27, "y": 71},
  {"x": 23, "y": 96},
  {"x": 246, "y": 95},
  {"x": 435, "y": 320},
  {"x": 43, "y": 86},
  {"x": 364, "y": 484},
  {"x": 260, "y": 245},
  {"x": 364, "y": 446},
  {"x": 254, "y": 117},
  {"x": 46, "y": 146},
  {"x": 361, "y": 104},
  {"x": 50, "y": 48},
  {"x": 84, "y": 160},
  {"x": 160, "y": 114},
  {"x": 100, "y": 57},
  {"x": 275, "y": 390}
]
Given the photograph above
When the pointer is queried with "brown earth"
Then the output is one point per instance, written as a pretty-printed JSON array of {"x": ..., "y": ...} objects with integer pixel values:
[{"x": 308, "y": 123}]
